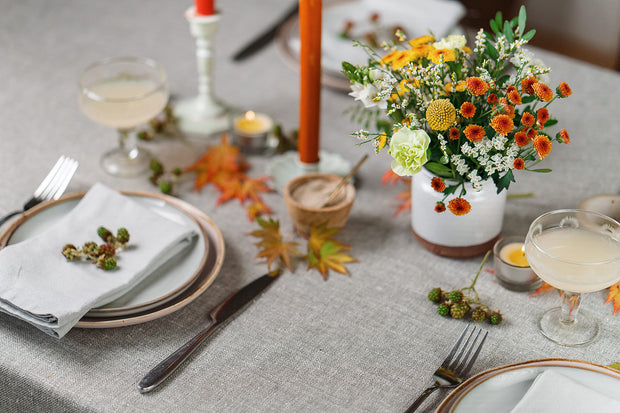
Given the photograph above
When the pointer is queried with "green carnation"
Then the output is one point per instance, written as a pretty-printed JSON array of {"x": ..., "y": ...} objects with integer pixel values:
[{"x": 408, "y": 148}]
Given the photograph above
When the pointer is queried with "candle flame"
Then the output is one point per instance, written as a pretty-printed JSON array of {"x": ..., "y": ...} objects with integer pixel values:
[{"x": 250, "y": 115}]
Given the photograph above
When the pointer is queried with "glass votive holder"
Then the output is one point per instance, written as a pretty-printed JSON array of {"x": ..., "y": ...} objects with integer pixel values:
[
  {"x": 251, "y": 132},
  {"x": 512, "y": 270}
]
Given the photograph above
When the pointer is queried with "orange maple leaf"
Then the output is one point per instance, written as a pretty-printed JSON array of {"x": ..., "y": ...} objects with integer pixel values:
[
  {"x": 543, "y": 287},
  {"x": 389, "y": 177},
  {"x": 405, "y": 198},
  {"x": 251, "y": 187},
  {"x": 614, "y": 297},
  {"x": 325, "y": 253},
  {"x": 256, "y": 209},
  {"x": 271, "y": 246},
  {"x": 223, "y": 157}
]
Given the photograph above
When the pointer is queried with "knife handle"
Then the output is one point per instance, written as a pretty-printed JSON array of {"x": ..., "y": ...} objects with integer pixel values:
[{"x": 160, "y": 372}]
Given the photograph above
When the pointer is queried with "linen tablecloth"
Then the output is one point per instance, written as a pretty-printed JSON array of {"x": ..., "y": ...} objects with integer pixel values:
[{"x": 368, "y": 342}]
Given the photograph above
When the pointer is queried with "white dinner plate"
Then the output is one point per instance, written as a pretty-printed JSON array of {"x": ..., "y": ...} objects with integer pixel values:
[
  {"x": 171, "y": 287},
  {"x": 415, "y": 17},
  {"x": 499, "y": 390}
]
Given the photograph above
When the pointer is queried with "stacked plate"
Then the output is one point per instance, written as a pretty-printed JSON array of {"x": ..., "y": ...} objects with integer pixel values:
[{"x": 171, "y": 287}]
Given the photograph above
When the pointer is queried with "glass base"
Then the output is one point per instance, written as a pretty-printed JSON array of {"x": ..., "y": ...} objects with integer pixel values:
[
  {"x": 118, "y": 162},
  {"x": 582, "y": 331}
]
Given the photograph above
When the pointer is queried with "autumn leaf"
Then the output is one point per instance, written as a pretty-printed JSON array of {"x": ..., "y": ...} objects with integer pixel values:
[
  {"x": 224, "y": 167},
  {"x": 544, "y": 287},
  {"x": 615, "y": 366},
  {"x": 271, "y": 246},
  {"x": 405, "y": 198},
  {"x": 389, "y": 177},
  {"x": 325, "y": 253},
  {"x": 614, "y": 297}
]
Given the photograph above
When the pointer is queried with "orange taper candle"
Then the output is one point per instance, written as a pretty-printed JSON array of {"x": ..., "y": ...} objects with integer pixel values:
[
  {"x": 310, "y": 71},
  {"x": 204, "y": 7}
]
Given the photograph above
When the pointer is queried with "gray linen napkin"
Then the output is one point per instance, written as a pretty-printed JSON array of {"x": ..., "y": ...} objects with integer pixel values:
[{"x": 38, "y": 285}]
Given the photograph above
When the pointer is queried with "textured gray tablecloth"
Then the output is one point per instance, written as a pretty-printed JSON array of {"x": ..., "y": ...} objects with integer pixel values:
[{"x": 368, "y": 342}]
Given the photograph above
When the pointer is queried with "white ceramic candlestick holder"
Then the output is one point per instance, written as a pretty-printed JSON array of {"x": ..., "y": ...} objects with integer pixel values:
[{"x": 203, "y": 115}]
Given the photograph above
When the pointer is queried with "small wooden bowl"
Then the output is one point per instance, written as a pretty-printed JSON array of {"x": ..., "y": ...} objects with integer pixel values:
[{"x": 303, "y": 216}]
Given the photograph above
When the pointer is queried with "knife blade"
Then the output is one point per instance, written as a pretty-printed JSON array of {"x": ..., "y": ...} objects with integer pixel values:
[
  {"x": 266, "y": 37},
  {"x": 233, "y": 304}
]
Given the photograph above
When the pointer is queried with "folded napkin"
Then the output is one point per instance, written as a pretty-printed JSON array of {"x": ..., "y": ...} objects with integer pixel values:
[
  {"x": 38, "y": 285},
  {"x": 554, "y": 392}
]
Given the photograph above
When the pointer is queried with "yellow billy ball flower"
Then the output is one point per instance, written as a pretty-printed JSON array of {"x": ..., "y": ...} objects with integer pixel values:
[{"x": 440, "y": 114}]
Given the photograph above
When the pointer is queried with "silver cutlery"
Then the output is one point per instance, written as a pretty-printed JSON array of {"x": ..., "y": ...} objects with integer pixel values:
[
  {"x": 52, "y": 186},
  {"x": 456, "y": 366},
  {"x": 226, "y": 309}
]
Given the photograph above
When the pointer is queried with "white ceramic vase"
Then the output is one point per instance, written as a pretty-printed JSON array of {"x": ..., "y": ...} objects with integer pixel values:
[{"x": 451, "y": 235}]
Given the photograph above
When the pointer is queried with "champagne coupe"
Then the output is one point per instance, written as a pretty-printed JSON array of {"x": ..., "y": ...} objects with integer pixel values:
[
  {"x": 123, "y": 93},
  {"x": 577, "y": 252}
]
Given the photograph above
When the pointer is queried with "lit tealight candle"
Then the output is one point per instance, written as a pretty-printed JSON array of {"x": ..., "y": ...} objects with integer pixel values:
[
  {"x": 251, "y": 130},
  {"x": 511, "y": 267},
  {"x": 514, "y": 253}
]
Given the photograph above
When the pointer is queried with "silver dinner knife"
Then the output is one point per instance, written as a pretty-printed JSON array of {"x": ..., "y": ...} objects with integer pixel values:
[{"x": 227, "y": 308}]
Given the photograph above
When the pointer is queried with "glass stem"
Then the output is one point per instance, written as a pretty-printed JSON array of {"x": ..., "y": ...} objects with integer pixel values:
[
  {"x": 127, "y": 145},
  {"x": 570, "y": 307}
]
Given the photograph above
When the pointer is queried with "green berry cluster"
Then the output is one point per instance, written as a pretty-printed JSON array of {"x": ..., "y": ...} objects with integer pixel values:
[
  {"x": 102, "y": 255},
  {"x": 464, "y": 301},
  {"x": 166, "y": 123},
  {"x": 458, "y": 305},
  {"x": 159, "y": 177}
]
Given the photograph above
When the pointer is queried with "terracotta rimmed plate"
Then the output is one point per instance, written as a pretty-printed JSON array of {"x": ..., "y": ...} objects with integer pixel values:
[
  {"x": 175, "y": 285},
  {"x": 500, "y": 389}
]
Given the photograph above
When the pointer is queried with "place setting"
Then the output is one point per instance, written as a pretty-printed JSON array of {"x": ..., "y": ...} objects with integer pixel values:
[{"x": 399, "y": 251}]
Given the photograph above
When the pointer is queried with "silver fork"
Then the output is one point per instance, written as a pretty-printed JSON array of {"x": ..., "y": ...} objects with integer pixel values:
[
  {"x": 457, "y": 364},
  {"x": 52, "y": 186}
]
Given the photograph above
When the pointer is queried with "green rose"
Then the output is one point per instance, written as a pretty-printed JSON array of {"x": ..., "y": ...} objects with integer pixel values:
[{"x": 408, "y": 148}]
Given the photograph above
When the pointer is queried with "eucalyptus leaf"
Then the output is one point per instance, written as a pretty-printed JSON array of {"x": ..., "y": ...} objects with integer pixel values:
[
  {"x": 541, "y": 170},
  {"x": 439, "y": 169},
  {"x": 508, "y": 31},
  {"x": 529, "y": 35},
  {"x": 527, "y": 99},
  {"x": 493, "y": 26},
  {"x": 522, "y": 18}
]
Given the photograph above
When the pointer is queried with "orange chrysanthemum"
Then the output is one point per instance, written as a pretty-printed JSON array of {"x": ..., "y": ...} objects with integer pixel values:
[
  {"x": 468, "y": 110},
  {"x": 564, "y": 90},
  {"x": 507, "y": 107},
  {"x": 514, "y": 97},
  {"x": 459, "y": 206},
  {"x": 526, "y": 85},
  {"x": 438, "y": 184},
  {"x": 440, "y": 207},
  {"x": 542, "y": 144},
  {"x": 477, "y": 86},
  {"x": 454, "y": 133},
  {"x": 502, "y": 124},
  {"x": 527, "y": 119},
  {"x": 474, "y": 133},
  {"x": 531, "y": 133},
  {"x": 441, "y": 55},
  {"x": 510, "y": 89},
  {"x": 518, "y": 163},
  {"x": 564, "y": 136},
  {"x": 492, "y": 98},
  {"x": 521, "y": 138},
  {"x": 542, "y": 115},
  {"x": 543, "y": 91},
  {"x": 420, "y": 51},
  {"x": 421, "y": 40}
]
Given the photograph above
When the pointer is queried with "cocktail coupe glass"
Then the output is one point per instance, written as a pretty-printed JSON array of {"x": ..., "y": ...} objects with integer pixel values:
[
  {"x": 123, "y": 93},
  {"x": 577, "y": 252}
]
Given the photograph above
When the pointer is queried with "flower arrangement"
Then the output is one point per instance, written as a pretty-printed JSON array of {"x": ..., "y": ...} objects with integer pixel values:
[{"x": 466, "y": 115}]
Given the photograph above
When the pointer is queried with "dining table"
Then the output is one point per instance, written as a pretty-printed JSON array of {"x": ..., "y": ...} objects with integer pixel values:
[{"x": 368, "y": 341}]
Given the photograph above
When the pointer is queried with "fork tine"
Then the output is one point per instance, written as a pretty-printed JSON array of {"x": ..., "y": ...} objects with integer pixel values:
[
  {"x": 475, "y": 356},
  {"x": 459, "y": 365},
  {"x": 450, "y": 355},
  {"x": 48, "y": 178},
  {"x": 60, "y": 180},
  {"x": 66, "y": 178}
]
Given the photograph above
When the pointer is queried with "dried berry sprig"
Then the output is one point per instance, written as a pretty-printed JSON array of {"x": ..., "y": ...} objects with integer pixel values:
[
  {"x": 164, "y": 124},
  {"x": 465, "y": 301},
  {"x": 162, "y": 179},
  {"x": 103, "y": 255}
]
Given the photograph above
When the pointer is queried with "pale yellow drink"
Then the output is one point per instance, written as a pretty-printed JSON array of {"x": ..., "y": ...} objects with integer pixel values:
[
  {"x": 574, "y": 259},
  {"x": 123, "y": 103}
]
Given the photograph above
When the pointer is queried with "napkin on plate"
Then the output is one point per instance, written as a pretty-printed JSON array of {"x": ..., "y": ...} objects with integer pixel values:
[
  {"x": 554, "y": 392},
  {"x": 38, "y": 285}
]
